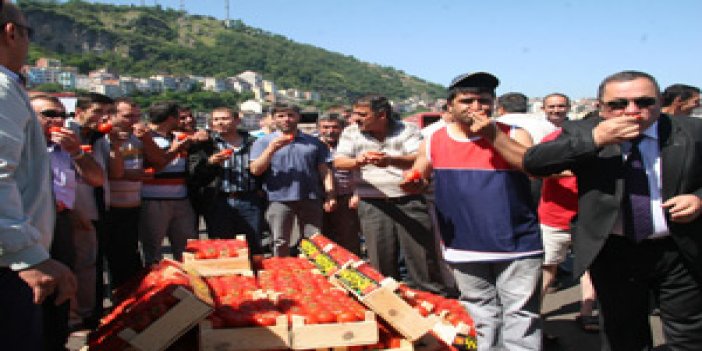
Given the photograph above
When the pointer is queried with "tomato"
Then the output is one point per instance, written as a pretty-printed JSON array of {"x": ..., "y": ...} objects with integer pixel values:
[
  {"x": 412, "y": 175},
  {"x": 227, "y": 152},
  {"x": 86, "y": 148},
  {"x": 55, "y": 130},
  {"x": 325, "y": 317},
  {"x": 104, "y": 128},
  {"x": 346, "y": 317},
  {"x": 181, "y": 136}
]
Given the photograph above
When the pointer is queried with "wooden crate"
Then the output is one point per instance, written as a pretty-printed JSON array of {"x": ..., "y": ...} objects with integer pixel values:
[
  {"x": 313, "y": 336},
  {"x": 240, "y": 339},
  {"x": 405, "y": 345},
  {"x": 396, "y": 312},
  {"x": 173, "y": 324},
  {"x": 219, "y": 266}
]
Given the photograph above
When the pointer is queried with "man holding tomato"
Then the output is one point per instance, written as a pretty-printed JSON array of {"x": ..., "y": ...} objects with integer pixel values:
[
  {"x": 92, "y": 109},
  {"x": 297, "y": 177},
  {"x": 68, "y": 164},
  {"x": 231, "y": 196},
  {"x": 392, "y": 220}
]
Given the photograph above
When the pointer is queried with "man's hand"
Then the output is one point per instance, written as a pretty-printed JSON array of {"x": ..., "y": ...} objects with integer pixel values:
[
  {"x": 219, "y": 157},
  {"x": 67, "y": 140},
  {"x": 48, "y": 277},
  {"x": 140, "y": 130},
  {"x": 376, "y": 158},
  {"x": 200, "y": 135},
  {"x": 615, "y": 130},
  {"x": 279, "y": 142},
  {"x": 353, "y": 201},
  {"x": 329, "y": 204},
  {"x": 413, "y": 185},
  {"x": 683, "y": 208},
  {"x": 483, "y": 125}
]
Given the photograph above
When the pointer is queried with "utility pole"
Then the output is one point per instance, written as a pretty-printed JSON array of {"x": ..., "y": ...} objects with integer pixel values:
[{"x": 226, "y": 9}]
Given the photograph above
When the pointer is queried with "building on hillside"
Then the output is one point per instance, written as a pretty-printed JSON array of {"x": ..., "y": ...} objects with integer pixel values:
[
  {"x": 269, "y": 87},
  {"x": 168, "y": 82},
  {"x": 251, "y": 112},
  {"x": 237, "y": 84},
  {"x": 45, "y": 62},
  {"x": 67, "y": 80},
  {"x": 313, "y": 96},
  {"x": 214, "y": 84},
  {"x": 110, "y": 88},
  {"x": 254, "y": 79}
]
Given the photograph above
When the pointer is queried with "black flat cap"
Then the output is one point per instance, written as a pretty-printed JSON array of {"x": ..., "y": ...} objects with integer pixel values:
[{"x": 482, "y": 80}]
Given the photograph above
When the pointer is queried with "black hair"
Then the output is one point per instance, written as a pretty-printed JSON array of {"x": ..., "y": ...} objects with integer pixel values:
[
  {"x": 513, "y": 102},
  {"x": 160, "y": 111},
  {"x": 682, "y": 91},
  {"x": 625, "y": 76},
  {"x": 84, "y": 101}
]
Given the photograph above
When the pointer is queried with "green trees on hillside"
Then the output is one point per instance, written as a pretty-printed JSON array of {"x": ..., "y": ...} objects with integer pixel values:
[{"x": 153, "y": 40}]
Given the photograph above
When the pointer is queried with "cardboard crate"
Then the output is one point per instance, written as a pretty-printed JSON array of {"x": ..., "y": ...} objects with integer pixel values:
[
  {"x": 313, "y": 336},
  {"x": 389, "y": 306},
  {"x": 173, "y": 324},
  {"x": 220, "y": 266},
  {"x": 240, "y": 339}
]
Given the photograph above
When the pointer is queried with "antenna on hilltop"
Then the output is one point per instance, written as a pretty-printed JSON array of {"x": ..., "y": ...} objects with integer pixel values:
[{"x": 226, "y": 9}]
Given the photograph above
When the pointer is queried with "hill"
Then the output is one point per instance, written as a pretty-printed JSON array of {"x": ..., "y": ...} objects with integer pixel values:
[{"x": 141, "y": 41}]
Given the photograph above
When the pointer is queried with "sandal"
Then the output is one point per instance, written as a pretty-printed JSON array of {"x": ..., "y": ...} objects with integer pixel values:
[{"x": 590, "y": 324}]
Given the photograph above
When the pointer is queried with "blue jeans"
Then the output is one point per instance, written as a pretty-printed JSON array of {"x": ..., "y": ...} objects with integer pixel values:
[
  {"x": 503, "y": 299},
  {"x": 228, "y": 216}
]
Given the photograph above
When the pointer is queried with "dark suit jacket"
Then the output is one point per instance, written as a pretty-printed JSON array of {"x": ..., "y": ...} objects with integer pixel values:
[{"x": 600, "y": 183}]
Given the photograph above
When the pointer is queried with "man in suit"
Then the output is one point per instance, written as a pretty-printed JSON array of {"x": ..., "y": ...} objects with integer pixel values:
[
  {"x": 28, "y": 275},
  {"x": 638, "y": 229}
]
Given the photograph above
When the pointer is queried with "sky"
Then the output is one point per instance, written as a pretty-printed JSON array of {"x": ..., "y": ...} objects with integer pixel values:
[{"x": 535, "y": 47}]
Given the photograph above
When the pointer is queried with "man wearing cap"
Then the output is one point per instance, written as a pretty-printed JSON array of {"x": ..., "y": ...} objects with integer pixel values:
[
  {"x": 488, "y": 226},
  {"x": 391, "y": 219}
]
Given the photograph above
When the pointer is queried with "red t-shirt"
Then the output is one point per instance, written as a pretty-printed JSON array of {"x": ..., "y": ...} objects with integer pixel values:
[{"x": 559, "y": 197}]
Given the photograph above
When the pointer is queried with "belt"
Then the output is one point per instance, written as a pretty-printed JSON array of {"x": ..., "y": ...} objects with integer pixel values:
[{"x": 394, "y": 200}]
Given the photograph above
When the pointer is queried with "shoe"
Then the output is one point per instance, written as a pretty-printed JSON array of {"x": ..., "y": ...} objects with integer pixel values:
[{"x": 589, "y": 324}]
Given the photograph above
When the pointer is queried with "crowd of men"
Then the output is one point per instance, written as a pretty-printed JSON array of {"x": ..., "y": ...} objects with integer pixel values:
[{"x": 498, "y": 198}]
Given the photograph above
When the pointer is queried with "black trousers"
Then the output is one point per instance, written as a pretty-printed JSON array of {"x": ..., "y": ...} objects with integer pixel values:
[
  {"x": 624, "y": 273},
  {"x": 55, "y": 318},
  {"x": 122, "y": 247},
  {"x": 20, "y": 318}
]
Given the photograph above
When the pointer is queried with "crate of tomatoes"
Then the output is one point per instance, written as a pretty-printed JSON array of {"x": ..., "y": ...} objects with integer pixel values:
[
  {"x": 215, "y": 257},
  {"x": 162, "y": 307}
]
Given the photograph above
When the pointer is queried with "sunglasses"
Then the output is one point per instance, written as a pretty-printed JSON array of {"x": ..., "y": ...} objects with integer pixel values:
[
  {"x": 640, "y": 102},
  {"x": 53, "y": 114},
  {"x": 470, "y": 101}
]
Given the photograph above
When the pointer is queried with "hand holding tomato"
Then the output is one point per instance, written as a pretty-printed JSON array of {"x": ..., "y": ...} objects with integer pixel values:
[
  {"x": 104, "y": 128},
  {"x": 413, "y": 182}
]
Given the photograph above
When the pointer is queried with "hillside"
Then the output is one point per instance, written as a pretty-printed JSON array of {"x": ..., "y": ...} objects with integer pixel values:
[{"x": 141, "y": 41}]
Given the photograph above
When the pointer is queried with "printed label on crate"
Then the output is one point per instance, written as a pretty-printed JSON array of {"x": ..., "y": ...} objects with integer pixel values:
[
  {"x": 325, "y": 264},
  {"x": 465, "y": 343},
  {"x": 356, "y": 281}
]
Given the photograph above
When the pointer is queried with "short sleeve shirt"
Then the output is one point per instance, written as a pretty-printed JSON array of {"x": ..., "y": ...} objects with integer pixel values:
[
  {"x": 293, "y": 173},
  {"x": 380, "y": 182}
]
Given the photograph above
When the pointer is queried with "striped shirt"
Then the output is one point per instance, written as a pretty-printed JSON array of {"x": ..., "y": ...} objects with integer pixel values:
[
  {"x": 168, "y": 183},
  {"x": 380, "y": 182}
]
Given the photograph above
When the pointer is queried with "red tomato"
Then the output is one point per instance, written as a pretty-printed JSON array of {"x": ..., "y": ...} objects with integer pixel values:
[
  {"x": 86, "y": 148},
  {"x": 104, "y": 128},
  {"x": 227, "y": 152},
  {"x": 325, "y": 317},
  {"x": 346, "y": 317},
  {"x": 412, "y": 175},
  {"x": 55, "y": 130},
  {"x": 149, "y": 171}
]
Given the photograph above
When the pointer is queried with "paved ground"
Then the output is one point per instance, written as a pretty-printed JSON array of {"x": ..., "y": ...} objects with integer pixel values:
[{"x": 560, "y": 309}]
